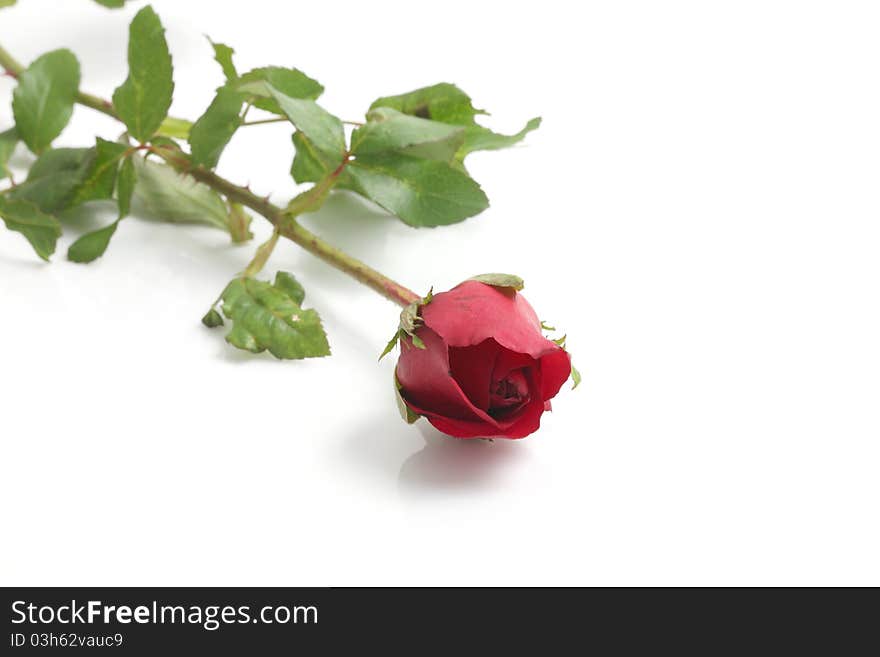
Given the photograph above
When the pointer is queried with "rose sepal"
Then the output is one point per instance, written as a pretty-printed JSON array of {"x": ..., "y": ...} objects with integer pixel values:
[{"x": 410, "y": 320}]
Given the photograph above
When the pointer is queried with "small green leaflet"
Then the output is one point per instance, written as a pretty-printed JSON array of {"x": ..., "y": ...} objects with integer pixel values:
[
  {"x": 213, "y": 130},
  {"x": 6, "y": 3},
  {"x": 410, "y": 320},
  {"x": 54, "y": 178},
  {"x": 290, "y": 286},
  {"x": 223, "y": 56},
  {"x": 310, "y": 164},
  {"x": 8, "y": 140},
  {"x": 575, "y": 377},
  {"x": 420, "y": 192},
  {"x": 323, "y": 130},
  {"x": 212, "y": 319},
  {"x": 64, "y": 177},
  {"x": 42, "y": 103},
  {"x": 391, "y": 344},
  {"x": 173, "y": 128},
  {"x": 501, "y": 280},
  {"x": 478, "y": 138},
  {"x": 176, "y": 197},
  {"x": 265, "y": 317},
  {"x": 112, "y": 4},
  {"x": 442, "y": 102},
  {"x": 142, "y": 101},
  {"x": 447, "y": 103},
  {"x": 167, "y": 142},
  {"x": 291, "y": 82},
  {"x": 91, "y": 245},
  {"x": 390, "y": 131},
  {"x": 40, "y": 229},
  {"x": 125, "y": 184},
  {"x": 101, "y": 178},
  {"x": 408, "y": 415}
]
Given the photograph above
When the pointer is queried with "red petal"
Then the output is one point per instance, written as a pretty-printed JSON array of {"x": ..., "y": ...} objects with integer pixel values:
[
  {"x": 509, "y": 361},
  {"x": 472, "y": 312},
  {"x": 528, "y": 421},
  {"x": 426, "y": 384},
  {"x": 525, "y": 421},
  {"x": 555, "y": 370},
  {"x": 472, "y": 367}
]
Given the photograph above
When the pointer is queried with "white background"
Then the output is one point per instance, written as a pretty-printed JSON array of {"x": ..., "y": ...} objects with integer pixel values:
[{"x": 699, "y": 212}]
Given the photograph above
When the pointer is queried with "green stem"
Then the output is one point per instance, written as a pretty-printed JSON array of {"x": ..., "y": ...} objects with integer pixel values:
[
  {"x": 277, "y": 119},
  {"x": 283, "y": 220},
  {"x": 261, "y": 256},
  {"x": 282, "y": 119},
  {"x": 9, "y": 63},
  {"x": 287, "y": 225}
]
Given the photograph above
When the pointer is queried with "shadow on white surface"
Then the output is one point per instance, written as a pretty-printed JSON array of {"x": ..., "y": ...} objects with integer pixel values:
[
  {"x": 440, "y": 465},
  {"x": 450, "y": 464},
  {"x": 347, "y": 218},
  {"x": 24, "y": 258},
  {"x": 351, "y": 224}
]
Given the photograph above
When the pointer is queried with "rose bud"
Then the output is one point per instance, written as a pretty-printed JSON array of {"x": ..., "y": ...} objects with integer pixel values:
[{"x": 475, "y": 363}]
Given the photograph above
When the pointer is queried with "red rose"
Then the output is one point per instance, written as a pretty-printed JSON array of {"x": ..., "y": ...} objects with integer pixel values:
[{"x": 486, "y": 370}]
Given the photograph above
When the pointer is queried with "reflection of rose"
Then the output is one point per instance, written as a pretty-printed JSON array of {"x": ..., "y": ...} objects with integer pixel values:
[{"x": 486, "y": 369}]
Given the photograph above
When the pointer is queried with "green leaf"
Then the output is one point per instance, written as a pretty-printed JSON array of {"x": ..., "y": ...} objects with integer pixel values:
[
  {"x": 478, "y": 138},
  {"x": 176, "y": 197},
  {"x": 8, "y": 141},
  {"x": 54, "y": 178},
  {"x": 575, "y": 377},
  {"x": 125, "y": 184},
  {"x": 174, "y": 128},
  {"x": 408, "y": 415},
  {"x": 310, "y": 164},
  {"x": 388, "y": 131},
  {"x": 43, "y": 100},
  {"x": 420, "y": 192},
  {"x": 101, "y": 177},
  {"x": 213, "y": 130},
  {"x": 92, "y": 245},
  {"x": 142, "y": 101},
  {"x": 323, "y": 130},
  {"x": 291, "y": 82},
  {"x": 223, "y": 56},
  {"x": 442, "y": 102},
  {"x": 40, "y": 229},
  {"x": 448, "y": 104},
  {"x": 168, "y": 142},
  {"x": 6, "y": 3},
  {"x": 505, "y": 281},
  {"x": 265, "y": 317},
  {"x": 64, "y": 177},
  {"x": 286, "y": 282},
  {"x": 212, "y": 319},
  {"x": 112, "y": 4}
]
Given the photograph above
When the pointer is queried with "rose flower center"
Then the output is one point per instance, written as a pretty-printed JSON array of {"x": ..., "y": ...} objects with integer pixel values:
[
  {"x": 496, "y": 380},
  {"x": 512, "y": 390}
]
